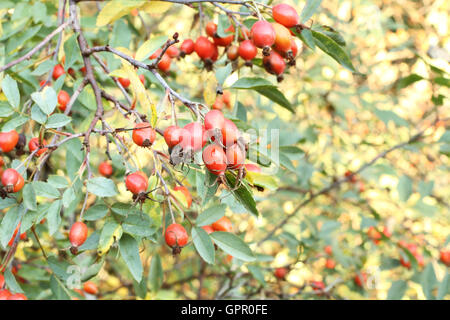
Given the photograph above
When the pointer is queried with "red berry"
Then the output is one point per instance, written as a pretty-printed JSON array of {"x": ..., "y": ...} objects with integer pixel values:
[
  {"x": 204, "y": 48},
  {"x": 283, "y": 38},
  {"x": 43, "y": 81},
  {"x": 63, "y": 100},
  {"x": 90, "y": 287},
  {"x": 142, "y": 78},
  {"x": 124, "y": 82},
  {"x": 196, "y": 137},
  {"x": 247, "y": 50},
  {"x": 218, "y": 104},
  {"x": 105, "y": 169},
  {"x": 208, "y": 229},
  {"x": 187, "y": 47},
  {"x": 374, "y": 235},
  {"x": 225, "y": 41},
  {"x": 235, "y": 156},
  {"x": 176, "y": 235},
  {"x": 274, "y": 63},
  {"x": 360, "y": 279},
  {"x": 223, "y": 224},
  {"x": 230, "y": 133},
  {"x": 143, "y": 137},
  {"x": 328, "y": 250},
  {"x": 330, "y": 264},
  {"x": 318, "y": 285},
  {"x": 233, "y": 53},
  {"x": 174, "y": 135},
  {"x": 405, "y": 263},
  {"x": 285, "y": 15},
  {"x": 4, "y": 294},
  {"x": 263, "y": 34},
  {"x": 211, "y": 29},
  {"x": 252, "y": 167},
  {"x": 10, "y": 178},
  {"x": 2, "y": 281},
  {"x": 214, "y": 119},
  {"x": 281, "y": 273},
  {"x": 58, "y": 71},
  {"x": 294, "y": 48},
  {"x": 445, "y": 257},
  {"x": 34, "y": 144},
  {"x": 352, "y": 176},
  {"x": 78, "y": 234},
  {"x": 186, "y": 193},
  {"x": 215, "y": 159},
  {"x": 173, "y": 52},
  {"x": 19, "y": 184},
  {"x": 17, "y": 296},
  {"x": 136, "y": 183},
  {"x": 83, "y": 70},
  {"x": 164, "y": 63},
  {"x": 8, "y": 140},
  {"x": 226, "y": 98}
]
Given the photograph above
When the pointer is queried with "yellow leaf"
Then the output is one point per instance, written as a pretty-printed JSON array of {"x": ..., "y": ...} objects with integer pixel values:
[
  {"x": 116, "y": 9},
  {"x": 180, "y": 197},
  {"x": 118, "y": 73},
  {"x": 209, "y": 93},
  {"x": 156, "y": 7},
  {"x": 262, "y": 180},
  {"x": 149, "y": 47}
]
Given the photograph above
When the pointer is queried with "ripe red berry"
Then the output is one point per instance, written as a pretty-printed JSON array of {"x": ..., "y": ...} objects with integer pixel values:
[
  {"x": 274, "y": 63},
  {"x": 176, "y": 235},
  {"x": 10, "y": 177},
  {"x": 318, "y": 285},
  {"x": 263, "y": 34},
  {"x": 136, "y": 183},
  {"x": 2, "y": 281},
  {"x": 90, "y": 287},
  {"x": 173, "y": 52},
  {"x": 105, "y": 169},
  {"x": 281, "y": 273},
  {"x": 196, "y": 138},
  {"x": 215, "y": 159},
  {"x": 124, "y": 82},
  {"x": 285, "y": 15},
  {"x": 225, "y": 41},
  {"x": 283, "y": 38},
  {"x": 404, "y": 262},
  {"x": 232, "y": 53},
  {"x": 187, "y": 47},
  {"x": 83, "y": 70},
  {"x": 17, "y": 296},
  {"x": 214, "y": 119},
  {"x": 164, "y": 63},
  {"x": 34, "y": 144},
  {"x": 58, "y": 71},
  {"x": 230, "y": 133},
  {"x": 218, "y": 104},
  {"x": 204, "y": 48},
  {"x": 208, "y": 229},
  {"x": 223, "y": 224},
  {"x": 294, "y": 48},
  {"x": 350, "y": 174},
  {"x": 374, "y": 235},
  {"x": 19, "y": 184},
  {"x": 142, "y": 78},
  {"x": 328, "y": 250},
  {"x": 330, "y": 264},
  {"x": 226, "y": 98},
  {"x": 8, "y": 140},
  {"x": 360, "y": 279},
  {"x": 78, "y": 234},
  {"x": 43, "y": 81},
  {"x": 4, "y": 294},
  {"x": 445, "y": 257},
  {"x": 252, "y": 167},
  {"x": 235, "y": 156},
  {"x": 63, "y": 100},
  {"x": 247, "y": 50},
  {"x": 186, "y": 193},
  {"x": 143, "y": 134},
  {"x": 211, "y": 29},
  {"x": 174, "y": 135}
]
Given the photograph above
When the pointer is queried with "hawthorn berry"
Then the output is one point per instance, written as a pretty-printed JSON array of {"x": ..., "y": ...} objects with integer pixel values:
[
  {"x": 78, "y": 234},
  {"x": 176, "y": 237},
  {"x": 225, "y": 41},
  {"x": 8, "y": 140},
  {"x": 208, "y": 229},
  {"x": 196, "y": 138},
  {"x": 211, "y": 29},
  {"x": 263, "y": 35},
  {"x": 142, "y": 78},
  {"x": 285, "y": 15},
  {"x": 274, "y": 63},
  {"x": 34, "y": 144},
  {"x": 282, "y": 38},
  {"x": 232, "y": 53},
  {"x": 105, "y": 169},
  {"x": 187, "y": 47},
  {"x": 280, "y": 273},
  {"x": 63, "y": 100},
  {"x": 186, "y": 193},
  {"x": 19, "y": 184},
  {"x": 136, "y": 183},
  {"x": 330, "y": 264},
  {"x": 226, "y": 98},
  {"x": 173, "y": 52},
  {"x": 2, "y": 281},
  {"x": 164, "y": 63},
  {"x": 360, "y": 279},
  {"x": 174, "y": 135},
  {"x": 10, "y": 177},
  {"x": 328, "y": 250},
  {"x": 235, "y": 156},
  {"x": 214, "y": 120},
  {"x": 318, "y": 286},
  {"x": 444, "y": 256},
  {"x": 223, "y": 224},
  {"x": 17, "y": 296},
  {"x": 374, "y": 234},
  {"x": 230, "y": 133},
  {"x": 4, "y": 294},
  {"x": 90, "y": 287},
  {"x": 42, "y": 83},
  {"x": 350, "y": 175},
  {"x": 215, "y": 159},
  {"x": 58, "y": 71},
  {"x": 204, "y": 48},
  {"x": 124, "y": 82},
  {"x": 143, "y": 134},
  {"x": 247, "y": 50},
  {"x": 218, "y": 104}
]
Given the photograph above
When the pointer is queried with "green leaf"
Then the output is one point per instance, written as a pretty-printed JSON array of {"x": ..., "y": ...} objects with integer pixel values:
[
  {"x": 59, "y": 290},
  {"x": 404, "y": 188},
  {"x": 251, "y": 83},
  {"x": 442, "y": 81},
  {"x": 406, "y": 81},
  {"x": 307, "y": 37},
  {"x": 276, "y": 96},
  {"x": 9, "y": 224},
  {"x": 262, "y": 180},
  {"x": 242, "y": 194},
  {"x": 11, "y": 282},
  {"x": 203, "y": 244},
  {"x": 11, "y": 91},
  {"x": 129, "y": 250},
  {"x": 14, "y": 123},
  {"x": 5, "y": 109},
  {"x": 333, "y": 49},
  {"x": 211, "y": 215},
  {"x": 257, "y": 274},
  {"x": 71, "y": 51},
  {"x": 223, "y": 73},
  {"x": 68, "y": 197},
  {"x": 397, "y": 290},
  {"x": 149, "y": 47},
  {"x": 112, "y": 231},
  {"x": 57, "y": 120},
  {"x": 156, "y": 275},
  {"x": 54, "y": 217},
  {"x": 58, "y": 181},
  {"x": 96, "y": 212},
  {"x": 233, "y": 245},
  {"x": 333, "y": 34},
  {"x": 428, "y": 281},
  {"x": 123, "y": 209},
  {"x": 387, "y": 115},
  {"x": 29, "y": 197},
  {"x": 444, "y": 287},
  {"x": 44, "y": 67},
  {"x": 37, "y": 115},
  {"x": 138, "y": 225},
  {"x": 309, "y": 9},
  {"x": 224, "y": 23},
  {"x": 46, "y": 190},
  {"x": 102, "y": 187},
  {"x": 46, "y": 99},
  {"x": 211, "y": 186}
]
